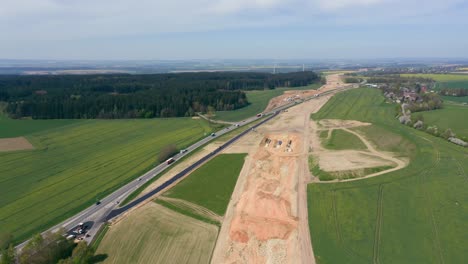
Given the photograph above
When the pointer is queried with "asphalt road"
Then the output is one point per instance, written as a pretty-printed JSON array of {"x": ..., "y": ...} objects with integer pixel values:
[{"x": 109, "y": 206}]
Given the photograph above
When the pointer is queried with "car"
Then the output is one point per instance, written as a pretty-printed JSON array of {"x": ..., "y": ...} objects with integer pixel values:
[
  {"x": 98, "y": 202},
  {"x": 213, "y": 134}
]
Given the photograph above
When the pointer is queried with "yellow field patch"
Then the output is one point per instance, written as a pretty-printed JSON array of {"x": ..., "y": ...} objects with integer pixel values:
[
  {"x": 12, "y": 144},
  {"x": 155, "y": 234}
]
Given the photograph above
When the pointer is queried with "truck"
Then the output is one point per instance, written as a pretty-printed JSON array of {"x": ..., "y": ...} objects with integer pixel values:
[{"x": 170, "y": 161}]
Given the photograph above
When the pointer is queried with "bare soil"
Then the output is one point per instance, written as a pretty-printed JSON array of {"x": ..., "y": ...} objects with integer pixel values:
[
  {"x": 13, "y": 144},
  {"x": 347, "y": 160},
  {"x": 333, "y": 81},
  {"x": 266, "y": 220}
]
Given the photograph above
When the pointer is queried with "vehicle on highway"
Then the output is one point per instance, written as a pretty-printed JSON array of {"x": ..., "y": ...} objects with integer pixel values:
[
  {"x": 98, "y": 202},
  {"x": 213, "y": 134},
  {"x": 260, "y": 115},
  {"x": 170, "y": 161},
  {"x": 183, "y": 150}
]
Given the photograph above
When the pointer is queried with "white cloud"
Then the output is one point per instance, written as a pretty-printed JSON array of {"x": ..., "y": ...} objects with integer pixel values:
[
  {"x": 339, "y": 4},
  {"x": 50, "y": 20}
]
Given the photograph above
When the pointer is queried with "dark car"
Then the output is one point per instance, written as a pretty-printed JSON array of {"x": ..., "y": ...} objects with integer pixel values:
[{"x": 98, "y": 202}]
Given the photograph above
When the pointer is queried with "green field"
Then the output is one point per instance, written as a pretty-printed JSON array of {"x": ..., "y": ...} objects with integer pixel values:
[
  {"x": 15, "y": 128},
  {"x": 414, "y": 215},
  {"x": 451, "y": 116},
  {"x": 212, "y": 184},
  {"x": 439, "y": 77},
  {"x": 445, "y": 81},
  {"x": 463, "y": 99},
  {"x": 258, "y": 102},
  {"x": 75, "y": 165},
  {"x": 341, "y": 140}
]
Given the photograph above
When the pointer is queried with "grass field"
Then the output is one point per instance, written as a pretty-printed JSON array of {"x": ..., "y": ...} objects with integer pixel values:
[
  {"x": 414, "y": 215},
  {"x": 258, "y": 102},
  {"x": 439, "y": 77},
  {"x": 77, "y": 164},
  {"x": 341, "y": 140},
  {"x": 212, "y": 184},
  {"x": 451, "y": 116},
  {"x": 463, "y": 99},
  {"x": 155, "y": 234},
  {"x": 15, "y": 128},
  {"x": 443, "y": 81}
]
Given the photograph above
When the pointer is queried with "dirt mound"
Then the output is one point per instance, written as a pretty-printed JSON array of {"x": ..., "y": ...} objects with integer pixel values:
[
  {"x": 12, "y": 144},
  {"x": 264, "y": 212}
]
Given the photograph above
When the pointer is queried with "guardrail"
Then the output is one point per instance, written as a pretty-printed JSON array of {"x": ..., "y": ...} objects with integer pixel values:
[{"x": 116, "y": 212}]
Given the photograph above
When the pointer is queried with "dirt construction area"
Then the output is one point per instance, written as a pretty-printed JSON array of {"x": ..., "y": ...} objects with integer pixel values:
[
  {"x": 13, "y": 144},
  {"x": 348, "y": 160},
  {"x": 333, "y": 81},
  {"x": 266, "y": 220}
]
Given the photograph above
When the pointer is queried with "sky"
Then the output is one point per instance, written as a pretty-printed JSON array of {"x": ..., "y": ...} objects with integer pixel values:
[{"x": 232, "y": 29}]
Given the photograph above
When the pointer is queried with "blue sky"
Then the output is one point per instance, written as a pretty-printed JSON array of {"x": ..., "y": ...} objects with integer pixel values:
[{"x": 232, "y": 29}]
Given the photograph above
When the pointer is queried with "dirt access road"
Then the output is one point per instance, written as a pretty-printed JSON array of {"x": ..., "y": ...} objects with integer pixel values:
[{"x": 266, "y": 220}]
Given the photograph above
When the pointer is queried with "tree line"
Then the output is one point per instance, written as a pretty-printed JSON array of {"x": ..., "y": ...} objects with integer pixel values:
[{"x": 137, "y": 96}]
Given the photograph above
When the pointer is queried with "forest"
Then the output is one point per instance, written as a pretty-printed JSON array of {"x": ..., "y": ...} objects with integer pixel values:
[{"x": 136, "y": 96}]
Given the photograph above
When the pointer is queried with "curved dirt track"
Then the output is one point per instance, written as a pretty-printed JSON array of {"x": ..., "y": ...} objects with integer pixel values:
[
  {"x": 330, "y": 124},
  {"x": 400, "y": 164}
]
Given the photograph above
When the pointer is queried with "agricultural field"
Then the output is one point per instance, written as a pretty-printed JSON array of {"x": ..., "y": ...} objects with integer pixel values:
[
  {"x": 413, "y": 215},
  {"x": 258, "y": 102},
  {"x": 447, "y": 81},
  {"x": 21, "y": 127},
  {"x": 439, "y": 77},
  {"x": 212, "y": 184},
  {"x": 155, "y": 234},
  {"x": 451, "y": 116},
  {"x": 462, "y": 99},
  {"x": 75, "y": 165}
]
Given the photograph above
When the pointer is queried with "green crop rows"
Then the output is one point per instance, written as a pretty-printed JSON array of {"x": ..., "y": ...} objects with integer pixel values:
[
  {"x": 414, "y": 215},
  {"x": 75, "y": 165},
  {"x": 212, "y": 184},
  {"x": 451, "y": 116}
]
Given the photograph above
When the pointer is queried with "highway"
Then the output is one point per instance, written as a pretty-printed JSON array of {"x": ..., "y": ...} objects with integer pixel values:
[{"x": 109, "y": 205}]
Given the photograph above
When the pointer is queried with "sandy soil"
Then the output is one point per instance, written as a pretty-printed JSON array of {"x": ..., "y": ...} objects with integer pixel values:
[
  {"x": 345, "y": 160},
  {"x": 266, "y": 220},
  {"x": 337, "y": 123},
  {"x": 333, "y": 81},
  {"x": 12, "y": 144}
]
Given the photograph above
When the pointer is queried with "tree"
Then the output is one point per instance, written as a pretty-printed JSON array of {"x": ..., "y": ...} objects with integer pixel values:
[
  {"x": 448, "y": 133},
  {"x": 46, "y": 249},
  {"x": 5, "y": 240},
  {"x": 8, "y": 255}
]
